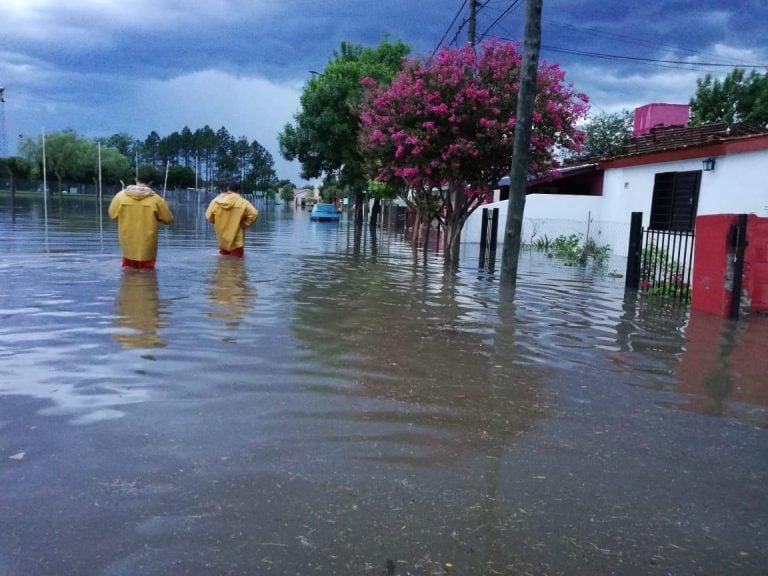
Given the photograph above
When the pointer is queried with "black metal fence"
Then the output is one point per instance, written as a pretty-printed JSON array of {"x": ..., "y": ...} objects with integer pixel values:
[
  {"x": 660, "y": 262},
  {"x": 488, "y": 234}
]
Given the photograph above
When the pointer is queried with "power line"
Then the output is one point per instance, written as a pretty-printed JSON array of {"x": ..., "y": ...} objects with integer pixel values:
[
  {"x": 629, "y": 39},
  {"x": 456, "y": 17},
  {"x": 499, "y": 17},
  {"x": 650, "y": 60},
  {"x": 662, "y": 63}
]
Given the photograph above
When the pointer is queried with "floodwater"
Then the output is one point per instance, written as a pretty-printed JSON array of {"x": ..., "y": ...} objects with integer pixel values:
[{"x": 333, "y": 404}]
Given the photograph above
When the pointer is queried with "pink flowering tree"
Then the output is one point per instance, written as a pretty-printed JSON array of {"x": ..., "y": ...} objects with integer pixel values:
[{"x": 443, "y": 129}]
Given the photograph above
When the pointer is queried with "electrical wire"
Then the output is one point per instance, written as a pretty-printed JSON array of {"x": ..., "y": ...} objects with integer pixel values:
[
  {"x": 500, "y": 16},
  {"x": 456, "y": 17},
  {"x": 649, "y": 60}
]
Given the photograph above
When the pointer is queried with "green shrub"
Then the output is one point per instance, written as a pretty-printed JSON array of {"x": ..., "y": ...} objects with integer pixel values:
[{"x": 572, "y": 252}]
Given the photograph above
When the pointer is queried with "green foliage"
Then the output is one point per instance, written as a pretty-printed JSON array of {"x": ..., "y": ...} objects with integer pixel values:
[
  {"x": 71, "y": 157},
  {"x": 180, "y": 177},
  {"x": 323, "y": 136},
  {"x": 655, "y": 261},
  {"x": 739, "y": 97},
  {"x": 608, "y": 134},
  {"x": 572, "y": 251},
  {"x": 661, "y": 275},
  {"x": 541, "y": 244},
  {"x": 383, "y": 189},
  {"x": 283, "y": 188},
  {"x": 674, "y": 290},
  {"x": 214, "y": 157},
  {"x": 16, "y": 166}
]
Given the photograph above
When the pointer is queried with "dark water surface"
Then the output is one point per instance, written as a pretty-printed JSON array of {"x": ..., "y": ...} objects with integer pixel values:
[{"x": 334, "y": 405}]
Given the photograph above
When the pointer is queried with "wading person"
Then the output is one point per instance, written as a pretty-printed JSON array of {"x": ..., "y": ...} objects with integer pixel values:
[
  {"x": 139, "y": 212},
  {"x": 230, "y": 215}
]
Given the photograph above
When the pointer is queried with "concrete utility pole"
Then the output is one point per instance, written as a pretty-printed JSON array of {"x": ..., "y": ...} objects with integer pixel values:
[
  {"x": 519, "y": 173},
  {"x": 472, "y": 22}
]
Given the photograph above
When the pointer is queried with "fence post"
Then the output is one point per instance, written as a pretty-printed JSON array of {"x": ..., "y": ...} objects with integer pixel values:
[
  {"x": 634, "y": 252},
  {"x": 483, "y": 234},
  {"x": 494, "y": 234}
]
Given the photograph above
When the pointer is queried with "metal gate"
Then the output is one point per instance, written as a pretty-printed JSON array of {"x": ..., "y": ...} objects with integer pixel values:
[{"x": 660, "y": 262}]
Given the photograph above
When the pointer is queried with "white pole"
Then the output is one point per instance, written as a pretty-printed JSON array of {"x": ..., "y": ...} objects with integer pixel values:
[
  {"x": 165, "y": 184},
  {"x": 45, "y": 194},
  {"x": 101, "y": 223},
  {"x": 136, "y": 151}
]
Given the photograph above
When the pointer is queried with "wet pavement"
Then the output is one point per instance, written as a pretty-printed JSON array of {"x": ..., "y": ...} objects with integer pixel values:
[{"x": 333, "y": 404}]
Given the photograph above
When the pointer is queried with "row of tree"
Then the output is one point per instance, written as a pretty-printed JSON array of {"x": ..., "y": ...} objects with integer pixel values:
[{"x": 183, "y": 159}]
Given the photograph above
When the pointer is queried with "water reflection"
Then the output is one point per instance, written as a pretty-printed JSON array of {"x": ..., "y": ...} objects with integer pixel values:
[
  {"x": 724, "y": 369},
  {"x": 375, "y": 407},
  {"x": 231, "y": 293},
  {"x": 138, "y": 319},
  {"x": 439, "y": 373}
]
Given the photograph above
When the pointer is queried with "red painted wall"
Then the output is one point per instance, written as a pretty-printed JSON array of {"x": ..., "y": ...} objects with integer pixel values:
[
  {"x": 710, "y": 293},
  {"x": 755, "y": 277},
  {"x": 712, "y": 264}
]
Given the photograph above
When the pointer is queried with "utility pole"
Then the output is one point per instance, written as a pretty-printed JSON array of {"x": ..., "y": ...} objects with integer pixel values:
[
  {"x": 519, "y": 173},
  {"x": 3, "y": 141},
  {"x": 472, "y": 22}
]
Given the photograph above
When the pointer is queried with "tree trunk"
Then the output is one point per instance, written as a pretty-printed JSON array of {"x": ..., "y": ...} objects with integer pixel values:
[
  {"x": 453, "y": 224},
  {"x": 59, "y": 179},
  {"x": 12, "y": 182},
  {"x": 452, "y": 244}
]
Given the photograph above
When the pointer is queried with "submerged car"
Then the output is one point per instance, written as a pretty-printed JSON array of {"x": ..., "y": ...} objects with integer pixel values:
[{"x": 324, "y": 212}]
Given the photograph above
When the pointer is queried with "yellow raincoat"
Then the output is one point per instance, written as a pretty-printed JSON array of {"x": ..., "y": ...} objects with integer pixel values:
[
  {"x": 138, "y": 211},
  {"x": 230, "y": 215}
]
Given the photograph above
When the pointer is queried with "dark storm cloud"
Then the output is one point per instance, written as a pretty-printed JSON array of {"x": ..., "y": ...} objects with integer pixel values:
[{"x": 136, "y": 65}]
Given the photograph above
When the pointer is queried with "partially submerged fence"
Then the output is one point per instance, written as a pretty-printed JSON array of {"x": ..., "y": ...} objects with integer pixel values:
[{"x": 660, "y": 262}]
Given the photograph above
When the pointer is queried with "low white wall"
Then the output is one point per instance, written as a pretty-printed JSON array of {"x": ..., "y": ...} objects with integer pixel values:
[{"x": 549, "y": 216}]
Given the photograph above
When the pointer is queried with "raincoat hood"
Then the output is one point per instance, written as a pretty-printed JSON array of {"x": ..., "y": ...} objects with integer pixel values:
[
  {"x": 138, "y": 191},
  {"x": 226, "y": 201}
]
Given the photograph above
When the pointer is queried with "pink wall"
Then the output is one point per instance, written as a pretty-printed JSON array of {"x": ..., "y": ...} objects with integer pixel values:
[{"x": 650, "y": 115}]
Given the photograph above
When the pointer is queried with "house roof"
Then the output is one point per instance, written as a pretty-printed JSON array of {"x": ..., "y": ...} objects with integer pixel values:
[
  {"x": 562, "y": 172},
  {"x": 668, "y": 143},
  {"x": 662, "y": 144}
]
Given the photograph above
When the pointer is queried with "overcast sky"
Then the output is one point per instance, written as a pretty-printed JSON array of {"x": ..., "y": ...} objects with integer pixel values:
[{"x": 106, "y": 66}]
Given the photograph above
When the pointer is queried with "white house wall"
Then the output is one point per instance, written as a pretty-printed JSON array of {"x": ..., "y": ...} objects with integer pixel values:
[{"x": 738, "y": 184}]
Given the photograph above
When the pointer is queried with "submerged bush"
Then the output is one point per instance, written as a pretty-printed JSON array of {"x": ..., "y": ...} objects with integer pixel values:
[{"x": 572, "y": 251}]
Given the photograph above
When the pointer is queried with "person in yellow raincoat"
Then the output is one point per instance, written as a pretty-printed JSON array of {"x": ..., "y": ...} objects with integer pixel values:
[
  {"x": 139, "y": 212},
  {"x": 230, "y": 215}
]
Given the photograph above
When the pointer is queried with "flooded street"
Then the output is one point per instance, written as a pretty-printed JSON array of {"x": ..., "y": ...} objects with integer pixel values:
[{"x": 333, "y": 404}]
